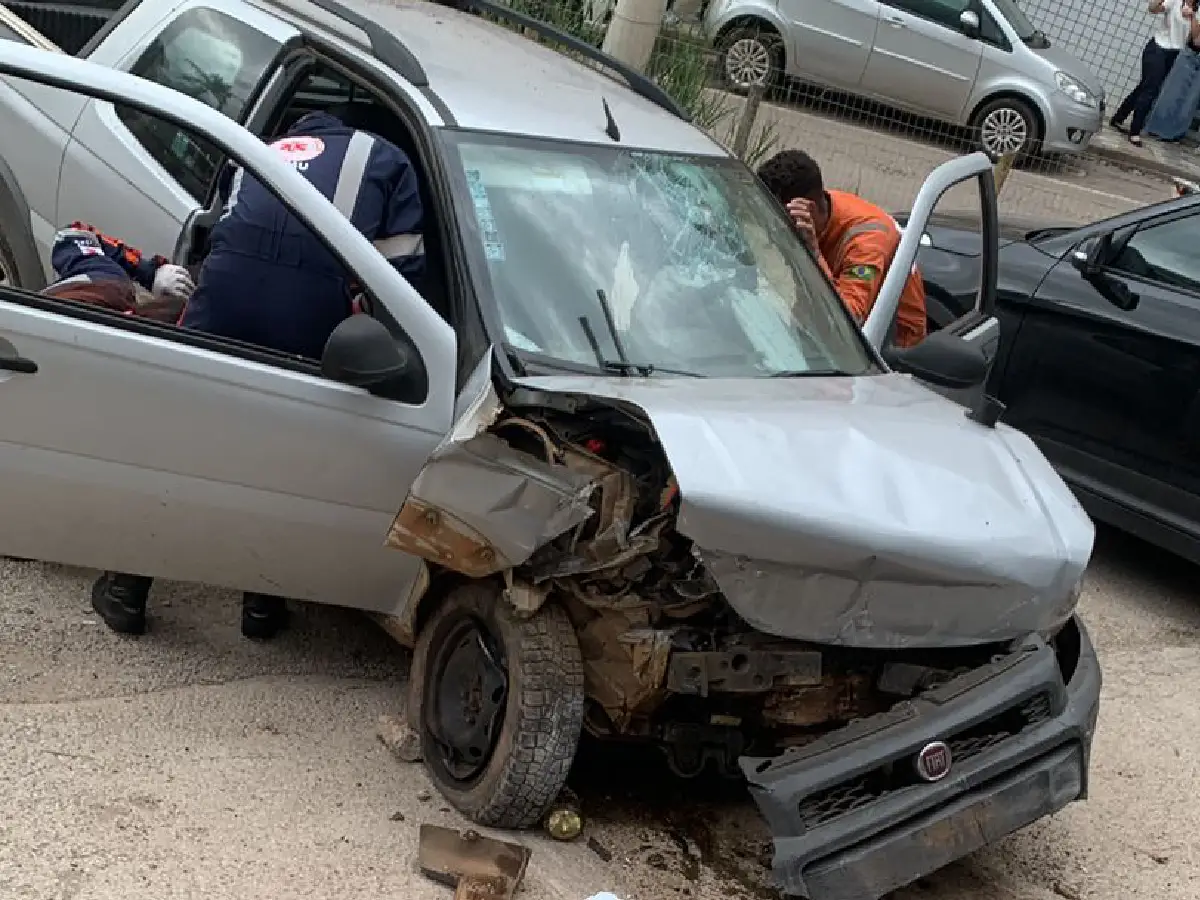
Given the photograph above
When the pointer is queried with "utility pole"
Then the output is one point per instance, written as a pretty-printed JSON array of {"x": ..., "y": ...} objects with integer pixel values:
[{"x": 633, "y": 30}]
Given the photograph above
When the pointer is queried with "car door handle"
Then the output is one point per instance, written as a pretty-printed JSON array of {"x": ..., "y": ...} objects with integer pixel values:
[
  {"x": 18, "y": 364},
  {"x": 896, "y": 23}
]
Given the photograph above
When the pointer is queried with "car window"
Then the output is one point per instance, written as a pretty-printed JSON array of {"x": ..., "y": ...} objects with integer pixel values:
[
  {"x": 990, "y": 31},
  {"x": 1165, "y": 253},
  {"x": 944, "y": 12},
  {"x": 213, "y": 58}
]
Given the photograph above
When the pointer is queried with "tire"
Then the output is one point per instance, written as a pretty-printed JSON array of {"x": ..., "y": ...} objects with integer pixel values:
[
  {"x": 751, "y": 55},
  {"x": 534, "y": 729},
  {"x": 998, "y": 123}
]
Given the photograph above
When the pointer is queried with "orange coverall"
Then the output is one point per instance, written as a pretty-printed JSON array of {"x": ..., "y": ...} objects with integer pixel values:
[{"x": 856, "y": 246}]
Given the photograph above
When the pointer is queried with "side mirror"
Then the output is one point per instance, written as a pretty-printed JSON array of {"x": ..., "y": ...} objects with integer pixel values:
[
  {"x": 1090, "y": 256},
  {"x": 968, "y": 20},
  {"x": 943, "y": 359},
  {"x": 362, "y": 352}
]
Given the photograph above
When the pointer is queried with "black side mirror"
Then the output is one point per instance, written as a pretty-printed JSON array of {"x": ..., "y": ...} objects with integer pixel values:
[
  {"x": 362, "y": 352},
  {"x": 943, "y": 359},
  {"x": 1090, "y": 256},
  {"x": 968, "y": 20}
]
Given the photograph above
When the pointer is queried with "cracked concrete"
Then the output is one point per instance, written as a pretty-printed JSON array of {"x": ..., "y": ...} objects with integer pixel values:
[{"x": 192, "y": 763}]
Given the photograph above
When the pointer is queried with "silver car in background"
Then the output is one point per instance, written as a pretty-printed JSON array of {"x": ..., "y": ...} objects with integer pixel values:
[{"x": 979, "y": 63}]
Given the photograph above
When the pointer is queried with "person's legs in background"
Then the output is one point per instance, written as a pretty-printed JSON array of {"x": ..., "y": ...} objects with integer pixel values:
[{"x": 1156, "y": 63}]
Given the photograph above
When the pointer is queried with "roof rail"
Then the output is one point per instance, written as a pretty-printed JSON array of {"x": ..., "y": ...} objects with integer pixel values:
[
  {"x": 386, "y": 47},
  {"x": 638, "y": 82}
]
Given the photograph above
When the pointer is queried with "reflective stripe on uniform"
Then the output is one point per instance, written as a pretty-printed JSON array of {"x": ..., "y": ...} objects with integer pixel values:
[
  {"x": 234, "y": 189},
  {"x": 401, "y": 246},
  {"x": 855, "y": 230},
  {"x": 354, "y": 168}
]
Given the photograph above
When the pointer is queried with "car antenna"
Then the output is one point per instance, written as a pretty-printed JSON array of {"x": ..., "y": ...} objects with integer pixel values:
[{"x": 610, "y": 127}]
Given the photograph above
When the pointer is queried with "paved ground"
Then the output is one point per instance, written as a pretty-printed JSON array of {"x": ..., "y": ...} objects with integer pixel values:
[{"x": 191, "y": 763}]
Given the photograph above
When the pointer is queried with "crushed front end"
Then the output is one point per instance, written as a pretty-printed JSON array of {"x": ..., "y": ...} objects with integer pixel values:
[{"x": 892, "y": 706}]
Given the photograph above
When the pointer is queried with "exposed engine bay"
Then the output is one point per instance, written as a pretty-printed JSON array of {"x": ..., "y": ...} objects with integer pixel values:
[{"x": 588, "y": 520}]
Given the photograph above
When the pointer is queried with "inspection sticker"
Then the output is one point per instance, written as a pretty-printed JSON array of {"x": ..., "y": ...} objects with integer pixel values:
[{"x": 493, "y": 247}]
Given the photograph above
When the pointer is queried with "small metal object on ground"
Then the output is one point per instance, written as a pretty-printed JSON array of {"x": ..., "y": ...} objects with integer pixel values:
[
  {"x": 564, "y": 821},
  {"x": 477, "y": 867}
]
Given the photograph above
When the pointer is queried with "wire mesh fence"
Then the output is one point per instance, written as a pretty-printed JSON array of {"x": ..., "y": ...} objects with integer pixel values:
[
  {"x": 1068, "y": 170},
  {"x": 710, "y": 64}
]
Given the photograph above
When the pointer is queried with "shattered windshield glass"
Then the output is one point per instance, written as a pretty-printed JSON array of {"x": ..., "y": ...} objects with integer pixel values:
[{"x": 631, "y": 261}]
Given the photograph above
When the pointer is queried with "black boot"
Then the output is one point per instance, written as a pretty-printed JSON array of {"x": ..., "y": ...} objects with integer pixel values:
[
  {"x": 120, "y": 600},
  {"x": 263, "y": 616}
]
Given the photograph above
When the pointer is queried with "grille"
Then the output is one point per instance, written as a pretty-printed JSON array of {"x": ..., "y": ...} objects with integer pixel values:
[{"x": 832, "y": 803}]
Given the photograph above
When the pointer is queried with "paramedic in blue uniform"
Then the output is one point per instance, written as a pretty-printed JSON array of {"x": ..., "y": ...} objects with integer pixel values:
[{"x": 269, "y": 281}]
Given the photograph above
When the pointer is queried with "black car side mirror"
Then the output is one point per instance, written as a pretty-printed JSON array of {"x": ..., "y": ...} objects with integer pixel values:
[
  {"x": 943, "y": 359},
  {"x": 1090, "y": 256},
  {"x": 362, "y": 352}
]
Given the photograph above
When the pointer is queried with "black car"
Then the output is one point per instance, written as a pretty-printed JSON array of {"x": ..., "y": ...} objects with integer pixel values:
[{"x": 1099, "y": 354}]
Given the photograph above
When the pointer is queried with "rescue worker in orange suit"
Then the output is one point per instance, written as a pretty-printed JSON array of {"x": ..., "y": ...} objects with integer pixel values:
[
  {"x": 92, "y": 267},
  {"x": 270, "y": 281},
  {"x": 853, "y": 240}
]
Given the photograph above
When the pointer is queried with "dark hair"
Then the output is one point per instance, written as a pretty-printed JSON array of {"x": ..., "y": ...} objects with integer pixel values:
[{"x": 790, "y": 174}]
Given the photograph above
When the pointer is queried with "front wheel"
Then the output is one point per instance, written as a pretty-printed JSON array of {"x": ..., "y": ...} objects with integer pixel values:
[
  {"x": 1006, "y": 126},
  {"x": 501, "y": 705},
  {"x": 751, "y": 56}
]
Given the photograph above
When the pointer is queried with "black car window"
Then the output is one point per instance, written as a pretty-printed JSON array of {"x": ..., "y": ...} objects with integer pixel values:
[
  {"x": 944, "y": 12},
  {"x": 989, "y": 30},
  {"x": 213, "y": 58},
  {"x": 1165, "y": 253}
]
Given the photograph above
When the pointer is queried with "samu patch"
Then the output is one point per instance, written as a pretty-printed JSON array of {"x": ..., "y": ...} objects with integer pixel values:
[{"x": 862, "y": 273}]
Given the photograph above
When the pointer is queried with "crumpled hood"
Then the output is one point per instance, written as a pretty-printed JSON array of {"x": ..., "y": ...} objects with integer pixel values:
[{"x": 868, "y": 512}]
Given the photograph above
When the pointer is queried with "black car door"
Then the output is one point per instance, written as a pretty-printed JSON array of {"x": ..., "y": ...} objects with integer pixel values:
[{"x": 1105, "y": 370}]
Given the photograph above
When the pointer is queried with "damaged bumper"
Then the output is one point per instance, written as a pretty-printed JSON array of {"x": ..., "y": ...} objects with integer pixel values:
[{"x": 851, "y": 819}]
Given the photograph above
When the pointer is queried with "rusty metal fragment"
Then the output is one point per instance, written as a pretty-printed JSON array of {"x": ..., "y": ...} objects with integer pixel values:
[
  {"x": 624, "y": 664},
  {"x": 479, "y": 507},
  {"x": 477, "y": 867},
  {"x": 838, "y": 698}
]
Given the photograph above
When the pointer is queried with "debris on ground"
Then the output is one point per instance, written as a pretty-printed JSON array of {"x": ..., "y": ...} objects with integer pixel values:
[
  {"x": 564, "y": 820},
  {"x": 599, "y": 849},
  {"x": 401, "y": 741},
  {"x": 477, "y": 867}
]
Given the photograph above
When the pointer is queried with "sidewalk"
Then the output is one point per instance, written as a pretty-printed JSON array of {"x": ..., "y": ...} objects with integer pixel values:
[{"x": 1182, "y": 160}]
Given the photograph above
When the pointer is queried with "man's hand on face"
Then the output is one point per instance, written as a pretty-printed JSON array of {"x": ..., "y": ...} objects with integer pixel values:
[{"x": 801, "y": 211}]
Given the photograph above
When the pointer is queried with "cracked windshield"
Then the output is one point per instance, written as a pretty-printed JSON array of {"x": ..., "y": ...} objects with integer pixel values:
[{"x": 637, "y": 261}]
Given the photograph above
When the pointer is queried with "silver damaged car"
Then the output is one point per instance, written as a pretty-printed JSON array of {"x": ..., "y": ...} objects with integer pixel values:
[{"x": 638, "y": 476}]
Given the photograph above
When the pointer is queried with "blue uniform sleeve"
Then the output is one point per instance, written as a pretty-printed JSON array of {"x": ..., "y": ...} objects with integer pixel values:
[
  {"x": 81, "y": 249},
  {"x": 400, "y": 237}
]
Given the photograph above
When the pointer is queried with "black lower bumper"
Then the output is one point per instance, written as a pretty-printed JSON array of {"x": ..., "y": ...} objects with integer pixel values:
[{"x": 852, "y": 821}]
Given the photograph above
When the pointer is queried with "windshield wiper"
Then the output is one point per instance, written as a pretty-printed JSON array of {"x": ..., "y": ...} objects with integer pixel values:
[
  {"x": 809, "y": 373},
  {"x": 622, "y": 365}
]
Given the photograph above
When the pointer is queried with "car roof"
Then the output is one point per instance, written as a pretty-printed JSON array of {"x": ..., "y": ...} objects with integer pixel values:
[{"x": 492, "y": 79}]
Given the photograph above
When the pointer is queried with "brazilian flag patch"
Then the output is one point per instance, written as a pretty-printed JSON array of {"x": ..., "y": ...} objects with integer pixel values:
[{"x": 862, "y": 273}]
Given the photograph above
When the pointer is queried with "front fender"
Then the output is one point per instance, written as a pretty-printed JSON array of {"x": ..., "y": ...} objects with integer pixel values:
[{"x": 724, "y": 14}]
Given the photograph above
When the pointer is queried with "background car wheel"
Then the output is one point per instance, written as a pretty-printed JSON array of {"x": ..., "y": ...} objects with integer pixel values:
[
  {"x": 750, "y": 56},
  {"x": 1008, "y": 125},
  {"x": 501, "y": 706}
]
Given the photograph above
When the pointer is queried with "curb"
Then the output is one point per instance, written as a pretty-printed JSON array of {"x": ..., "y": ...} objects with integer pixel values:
[{"x": 1145, "y": 163}]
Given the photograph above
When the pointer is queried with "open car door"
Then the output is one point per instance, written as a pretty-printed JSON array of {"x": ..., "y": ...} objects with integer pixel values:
[
  {"x": 150, "y": 449},
  {"x": 977, "y": 330}
]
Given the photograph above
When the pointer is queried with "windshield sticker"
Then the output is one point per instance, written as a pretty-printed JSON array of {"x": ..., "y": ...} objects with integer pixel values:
[
  {"x": 534, "y": 177},
  {"x": 493, "y": 248},
  {"x": 519, "y": 340}
]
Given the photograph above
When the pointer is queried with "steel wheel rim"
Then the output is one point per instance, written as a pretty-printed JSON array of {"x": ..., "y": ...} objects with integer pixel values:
[
  {"x": 748, "y": 62},
  {"x": 466, "y": 697},
  {"x": 1004, "y": 130}
]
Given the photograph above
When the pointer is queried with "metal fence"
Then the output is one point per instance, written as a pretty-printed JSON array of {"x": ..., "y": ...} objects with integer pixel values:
[{"x": 874, "y": 149}]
